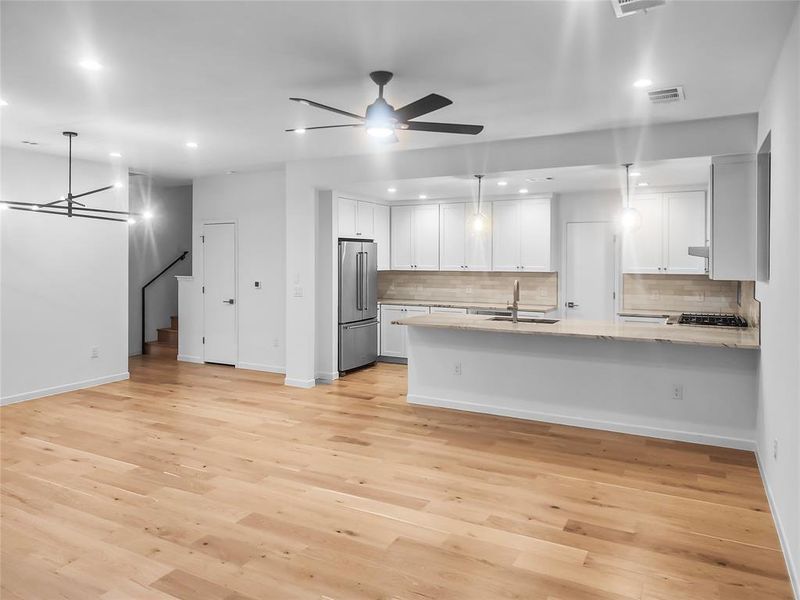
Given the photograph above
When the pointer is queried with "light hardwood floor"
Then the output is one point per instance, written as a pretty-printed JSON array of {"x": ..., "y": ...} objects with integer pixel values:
[{"x": 207, "y": 482}]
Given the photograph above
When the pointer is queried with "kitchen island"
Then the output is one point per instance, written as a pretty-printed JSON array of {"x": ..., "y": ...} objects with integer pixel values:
[{"x": 670, "y": 381}]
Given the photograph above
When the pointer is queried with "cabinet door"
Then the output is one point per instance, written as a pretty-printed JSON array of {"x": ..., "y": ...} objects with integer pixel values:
[
  {"x": 426, "y": 238},
  {"x": 348, "y": 210},
  {"x": 393, "y": 337},
  {"x": 505, "y": 236},
  {"x": 381, "y": 235},
  {"x": 401, "y": 253},
  {"x": 451, "y": 237},
  {"x": 642, "y": 248},
  {"x": 365, "y": 215},
  {"x": 534, "y": 242},
  {"x": 478, "y": 239},
  {"x": 685, "y": 226}
]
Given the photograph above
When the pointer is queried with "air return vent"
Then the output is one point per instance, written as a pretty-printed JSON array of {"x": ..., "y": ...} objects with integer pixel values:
[
  {"x": 623, "y": 8},
  {"x": 667, "y": 94}
]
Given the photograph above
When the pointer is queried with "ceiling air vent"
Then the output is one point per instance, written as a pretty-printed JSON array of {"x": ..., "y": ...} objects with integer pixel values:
[
  {"x": 667, "y": 94},
  {"x": 623, "y": 8}
]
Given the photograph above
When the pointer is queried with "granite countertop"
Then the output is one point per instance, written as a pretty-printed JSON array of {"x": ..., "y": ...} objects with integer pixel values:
[
  {"x": 649, "y": 312},
  {"x": 480, "y": 305},
  {"x": 603, "y": 330}
]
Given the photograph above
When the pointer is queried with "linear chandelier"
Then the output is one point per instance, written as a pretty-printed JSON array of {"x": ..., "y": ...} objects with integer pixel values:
[{"x": 67, "y": 206}]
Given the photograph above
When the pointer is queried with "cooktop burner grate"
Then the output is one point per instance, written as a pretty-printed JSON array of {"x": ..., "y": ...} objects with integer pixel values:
[{"x": 713, "y": 319}]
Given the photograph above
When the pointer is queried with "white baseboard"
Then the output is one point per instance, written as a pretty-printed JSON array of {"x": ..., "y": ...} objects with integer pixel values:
[
  {"x": 300, "y": 383},
  {"x": 60, "y": 389},
  {"x": 261, "y": 367},
  {"x": 791, "y": 565},
  {"x": 328, "y": 376},
  {"x": 643, "y": 430},
  {"x": 190, "y": 359}
]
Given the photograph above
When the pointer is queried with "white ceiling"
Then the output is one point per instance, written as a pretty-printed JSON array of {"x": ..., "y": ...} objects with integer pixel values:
[
  {"x": 220, "y": 73},
  {"x": 677, "y": 172}
]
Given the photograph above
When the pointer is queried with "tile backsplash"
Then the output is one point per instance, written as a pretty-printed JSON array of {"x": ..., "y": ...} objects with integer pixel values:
[
  {"x": 688, "y": 293},
  {"x": 489, "y": 287}
]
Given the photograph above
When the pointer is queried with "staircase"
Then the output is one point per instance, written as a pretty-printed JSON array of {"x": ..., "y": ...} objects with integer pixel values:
[{"x": 167, "y": 344}]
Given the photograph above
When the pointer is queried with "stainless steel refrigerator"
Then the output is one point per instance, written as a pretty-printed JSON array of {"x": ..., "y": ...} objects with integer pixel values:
[{"x": 358, "y": 304}]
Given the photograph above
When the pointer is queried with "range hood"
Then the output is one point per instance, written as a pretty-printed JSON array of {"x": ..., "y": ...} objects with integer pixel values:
[{"x": 701, "y": 251}]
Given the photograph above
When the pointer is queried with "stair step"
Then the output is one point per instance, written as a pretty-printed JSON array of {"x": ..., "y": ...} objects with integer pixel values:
[
  {"x": 168, "y": 336},
  {"x": 173, "y": 322},
  {"x": 161, "y": 349}
]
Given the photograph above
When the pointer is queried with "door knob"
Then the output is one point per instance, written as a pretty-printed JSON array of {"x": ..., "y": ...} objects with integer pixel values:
[
  {"x": 572, "y": 305},
  {"x": 229, "y": 301}
]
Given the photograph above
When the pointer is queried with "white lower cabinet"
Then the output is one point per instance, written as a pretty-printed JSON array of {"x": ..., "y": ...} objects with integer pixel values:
[{"x": 393, "y": 337}]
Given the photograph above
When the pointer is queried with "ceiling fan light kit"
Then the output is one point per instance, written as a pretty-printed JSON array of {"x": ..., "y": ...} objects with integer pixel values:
[
  {"x": 68, "y": 206},
  {"x": 382, "y": 120}
]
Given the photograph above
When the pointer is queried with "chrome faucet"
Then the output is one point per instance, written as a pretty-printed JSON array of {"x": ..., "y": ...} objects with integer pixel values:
[{"x": 514, "y": 306}]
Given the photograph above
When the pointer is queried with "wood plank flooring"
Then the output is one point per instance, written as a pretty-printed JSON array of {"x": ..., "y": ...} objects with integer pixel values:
[{"x": 207, "y": 482}]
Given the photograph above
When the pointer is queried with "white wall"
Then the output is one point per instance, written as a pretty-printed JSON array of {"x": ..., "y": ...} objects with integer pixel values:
[
  {"x": 779, "y": 385},
  {"x": 726, "y": 135},
  {"x": 153, "y": 245},
  {"x": 255, "y": 202},
  {"x": 63, "y": 282}
]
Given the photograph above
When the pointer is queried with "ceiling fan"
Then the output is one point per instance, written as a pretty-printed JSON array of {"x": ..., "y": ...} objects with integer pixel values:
[{"x": 382, "y": 120}]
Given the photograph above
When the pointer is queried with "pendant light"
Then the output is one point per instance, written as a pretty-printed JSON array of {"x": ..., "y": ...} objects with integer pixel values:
[
  {"x": 67, "y": 206},
  {"x": 479, "y": 219},
  {"x": 630, "y": 219}
]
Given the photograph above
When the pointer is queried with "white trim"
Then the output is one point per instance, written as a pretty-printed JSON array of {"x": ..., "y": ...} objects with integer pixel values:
[
  {"x": 190, "y": 359},
  {"x": 261, "y": 367},
  {"x": 60, "y": 389},
  {"x": 785, "y": 546},
  {"x": 328, "y": 377},
  {"x": 531, "y": 415},
  {"x": 300, "y": 383}
]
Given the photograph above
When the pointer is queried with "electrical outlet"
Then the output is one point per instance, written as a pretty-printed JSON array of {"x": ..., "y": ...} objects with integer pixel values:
[
  {"x": 468, "y": 290},
  {"x": 775, "y": 449},
  {"x": 275, "y": 343},
  {"x": 457, "y": 368},
  {"x": 542, "y": 293},
  {"x": 699, "y": 296},
  {"x": 677, "y": 391},
  {"x": 94, "y": 352},
  {"x": 298, "y": 291}
]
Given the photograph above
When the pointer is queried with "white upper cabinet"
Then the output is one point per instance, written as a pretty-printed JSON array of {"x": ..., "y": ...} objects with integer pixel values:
[
  {"x": 415, "y": 237},
  {"x": 671, "y": 222},
  {"x": 381, "y": 235},
  {"x": 356, "y": 218},
  {"x": 521, "y": 235},
  {"x": 686, "y": 226},
  {"x": 734, "y": 218},
  {"x": 464, "y": 238}
]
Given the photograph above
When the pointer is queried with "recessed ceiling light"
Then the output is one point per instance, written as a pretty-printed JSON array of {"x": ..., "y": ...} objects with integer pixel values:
[
  {"x": 191, "y": 145},
  {"x": 539, "y": 179},
  {"x": 642, "y": 184},
  {"x": 391, "y": 190},
  {"x": 3, "y": 102},
  {"x": 231, "y": 172},
  {"x": 636, "y": 174},
  {"x": 131, "y": 221},
  {"x": 3, "y": 206},
  {"x": 643, "y": 83},
  {"x": 118, "y": 184},
  {"x": 423, "y": 197},
  {"x": 115, "y": 155},
  {"x": 148, "y": 214},
  {"x": 90, "y": 64},
  {"x": 300, "y": 130},
  {"x": 35, "y": 207},
  {"x": 523, "y": 190},
  {"x": 29, "y": 143},
  {"x": 502, "y": 183}
]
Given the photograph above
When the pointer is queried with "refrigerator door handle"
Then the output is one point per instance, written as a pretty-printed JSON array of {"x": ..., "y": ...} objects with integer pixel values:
[
  {"x": 359, "y": 285},
  {"x": 370, "y": 324},
  {"x": 364, "y": 288}
]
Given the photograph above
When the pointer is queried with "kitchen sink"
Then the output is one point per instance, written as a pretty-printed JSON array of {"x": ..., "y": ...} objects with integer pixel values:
[{"x": 525, "y": 320}]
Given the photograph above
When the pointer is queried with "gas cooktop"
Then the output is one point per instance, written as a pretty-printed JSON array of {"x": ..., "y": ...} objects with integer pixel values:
[{"x": 712, "y": 319}]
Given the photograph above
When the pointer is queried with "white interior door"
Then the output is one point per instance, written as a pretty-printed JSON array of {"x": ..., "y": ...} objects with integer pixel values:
[
  {"x": 590, "y": 271},
  {"x": 219, "y": 299}
]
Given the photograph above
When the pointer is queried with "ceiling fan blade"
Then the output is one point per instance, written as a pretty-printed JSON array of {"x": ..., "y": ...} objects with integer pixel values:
[
  {"x": 420, "y": 107},
  {"x": 325, "y": 107},
  {"x": 444, "y": 127},
  {"x": 102, "y": 189},
  {"x": 301, "y": 129}
]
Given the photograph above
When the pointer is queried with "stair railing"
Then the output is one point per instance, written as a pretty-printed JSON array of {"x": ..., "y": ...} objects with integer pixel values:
[{"x": 144, "y": 287}]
